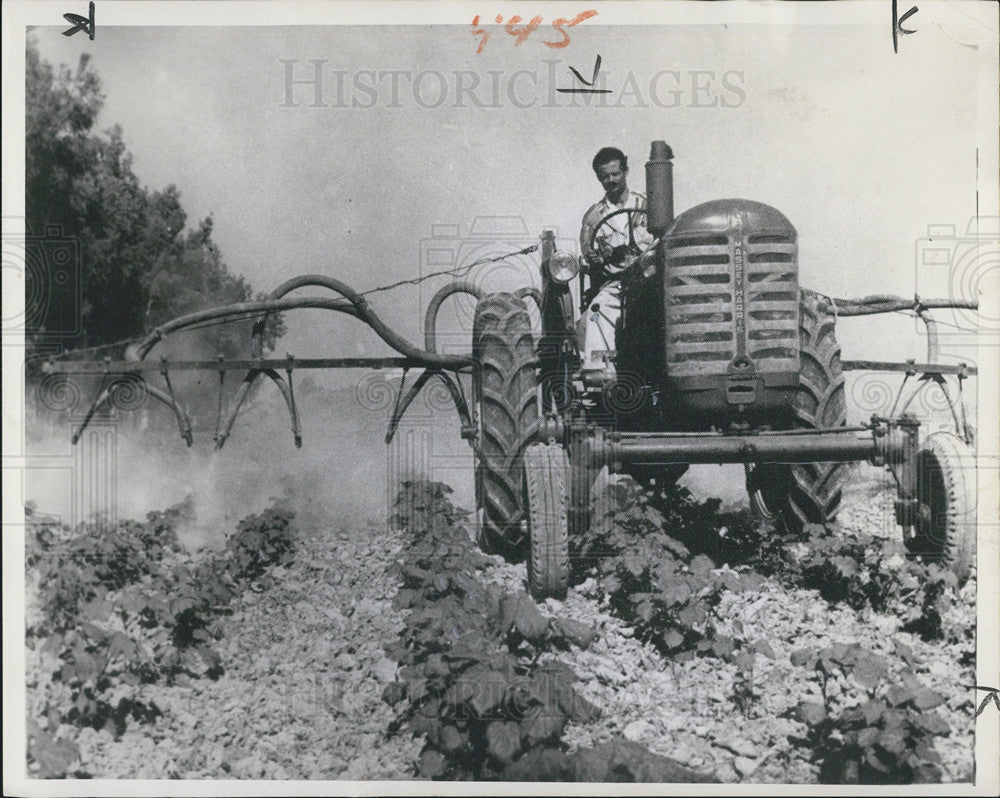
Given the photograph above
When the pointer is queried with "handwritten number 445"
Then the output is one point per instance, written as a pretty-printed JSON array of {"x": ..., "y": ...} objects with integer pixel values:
[{"x": 521, "y": 32}]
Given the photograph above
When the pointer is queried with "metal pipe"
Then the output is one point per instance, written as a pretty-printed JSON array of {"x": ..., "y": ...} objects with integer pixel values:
[
  {"x": 182, "y": 418},
  {"x": 183, "y": 422},
  {"x": 403, "y": 401},
  {"x": 430, "y": 318},
  {"x": 828, "y": 447},
  {"x": 932, "y": 334},
  {"x": 218, "y": 415},
  {"x": 117, "y": 366},
  {"x": 354, "y": 305},
  {"x": 887, "y": 303},
  {"x": 140, "y": 350},
  {"x": 367, "y": 315},
  {"x": 909, "y": 367},
  {"x": 103, "y": 394},
  {"x": 286, "y": 392},
  {"x": 241, "y": 396},
  {"x": 943, "y": 385},
  {"x": 534, "y": 293},
  {"x": 772, "y": 433}
]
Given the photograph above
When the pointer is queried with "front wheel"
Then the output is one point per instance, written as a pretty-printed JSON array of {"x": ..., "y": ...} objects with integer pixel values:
[
  {"x": 545, "y": 476},
  {"x": 946, "y": 503}
]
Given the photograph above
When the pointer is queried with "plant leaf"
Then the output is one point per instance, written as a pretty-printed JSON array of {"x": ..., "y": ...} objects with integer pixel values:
[
  {"x": 867, "y": 736},
  {"x": 804, "y": 658},
  {"x": 897, "y": 695},
  {"x": 763, "y": 647},
  {"x": 453, "y": 739},
  {"x": 431, "y": 764},
  {"x": 701, "y": 565},
  {"x": 575, "y": 632},
  {"x": 869, "y": 670},
  {"x": 488, "y": 687},
  {"x": 541, "y": 723},
  {"x": 892, "y": 742},
  {"x": 503, "y": 739},
  {"x": 528, "y": 620}
]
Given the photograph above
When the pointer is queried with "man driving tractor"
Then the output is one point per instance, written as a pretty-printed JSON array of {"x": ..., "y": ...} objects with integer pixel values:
[{"x": 608, "y": 249}]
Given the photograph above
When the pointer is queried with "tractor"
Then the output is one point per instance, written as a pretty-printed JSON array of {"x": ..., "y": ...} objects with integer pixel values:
[{"x": 720, "y": 357}]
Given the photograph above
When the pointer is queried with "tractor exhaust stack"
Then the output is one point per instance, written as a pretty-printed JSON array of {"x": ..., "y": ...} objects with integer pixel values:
[{"x": 660, "y": 188}]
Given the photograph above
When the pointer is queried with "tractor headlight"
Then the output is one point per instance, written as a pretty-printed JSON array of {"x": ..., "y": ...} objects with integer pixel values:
[{"x": 563, "y": 267}]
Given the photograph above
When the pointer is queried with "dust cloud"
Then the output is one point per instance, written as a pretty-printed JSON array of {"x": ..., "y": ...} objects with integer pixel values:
[{"x": 344, "y": 476}]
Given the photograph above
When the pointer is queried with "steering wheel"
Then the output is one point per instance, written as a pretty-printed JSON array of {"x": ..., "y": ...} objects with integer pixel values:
[{"x": 632, "y": 248}]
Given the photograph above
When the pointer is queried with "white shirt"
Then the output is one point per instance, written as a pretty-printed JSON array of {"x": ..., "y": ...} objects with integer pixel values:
[{"x": 614, "y": 232}]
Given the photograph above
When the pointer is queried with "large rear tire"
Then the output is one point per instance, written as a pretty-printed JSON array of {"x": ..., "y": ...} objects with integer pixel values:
[
  {"x": 946, "y": 503},
  {"x": 508, "y": 411},
  {"x": 791, "y": 496},
  {"x": 546, "y": 467}
]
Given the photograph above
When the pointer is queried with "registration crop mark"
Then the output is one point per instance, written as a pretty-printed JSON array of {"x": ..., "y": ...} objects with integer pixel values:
[{"x": 520, "y": 32}]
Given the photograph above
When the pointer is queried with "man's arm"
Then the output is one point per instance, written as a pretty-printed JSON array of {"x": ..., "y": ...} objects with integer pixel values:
[{"x": 590, "y": 219}]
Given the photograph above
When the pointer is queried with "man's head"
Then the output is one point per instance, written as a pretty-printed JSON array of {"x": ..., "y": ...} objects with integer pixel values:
[{"x": 611, "y": 167}]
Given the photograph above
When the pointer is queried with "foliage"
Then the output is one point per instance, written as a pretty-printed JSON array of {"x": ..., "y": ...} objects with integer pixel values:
[
  {"x": 420, "y": 501},
  {"x": 652, "y": 579},
  {"x": 863, "y": 570},
  {"x": 479, "y": 675},
  {"x": 75, "y": 569},
  {"x": 878, "y": 732},
  {"x": 475, "y": 676},
  {"x": 857, "y": 569},
  {"x": 121, "y": 606},
  {"x": 53, "y": 756},
  {"x": 127, "y": 241},
  {"x": 261, "y": 541}
]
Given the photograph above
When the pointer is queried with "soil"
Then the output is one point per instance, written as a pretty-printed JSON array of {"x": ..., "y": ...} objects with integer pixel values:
[{"x": 304, "y": 672}]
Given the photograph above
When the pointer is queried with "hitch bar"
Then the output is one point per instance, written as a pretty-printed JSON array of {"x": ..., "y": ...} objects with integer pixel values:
[
  {"x": 893, "y": 442},
  {"x": 776, "y": 448}
]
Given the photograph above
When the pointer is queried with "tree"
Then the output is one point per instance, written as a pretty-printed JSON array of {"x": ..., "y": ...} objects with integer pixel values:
[
  {"x": 137, "y": 265},
  {"x": 190, "y": 275}
]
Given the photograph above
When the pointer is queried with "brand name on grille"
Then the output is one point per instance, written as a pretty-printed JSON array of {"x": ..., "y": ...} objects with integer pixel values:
[{"x": 738, "y": 310}]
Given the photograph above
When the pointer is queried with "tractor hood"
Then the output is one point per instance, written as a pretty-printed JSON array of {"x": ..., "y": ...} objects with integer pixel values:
[
  {"x": 723, "y": 215},
  {"x": 731, "y": 305}
]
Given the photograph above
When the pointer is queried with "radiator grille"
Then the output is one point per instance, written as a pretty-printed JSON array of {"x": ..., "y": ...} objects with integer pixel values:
[
  {"x": 728, "y": 295},
  {"x": 699, "y": 303},
  {"x": 772, "y": 299}
]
